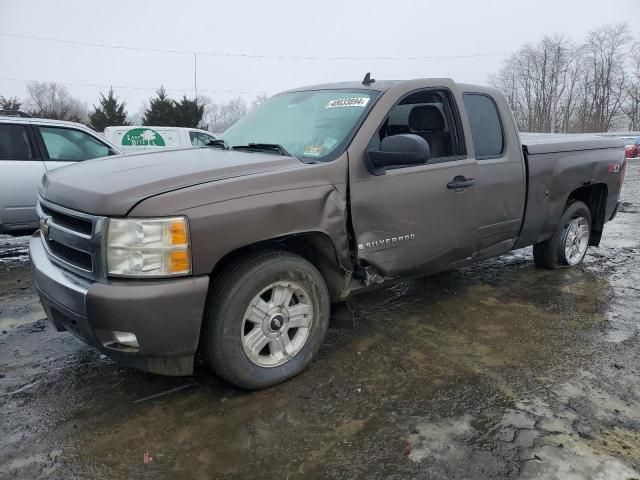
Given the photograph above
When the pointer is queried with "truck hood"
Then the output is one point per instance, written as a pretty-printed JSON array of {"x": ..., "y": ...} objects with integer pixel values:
[{"x": 113, "y": 185}]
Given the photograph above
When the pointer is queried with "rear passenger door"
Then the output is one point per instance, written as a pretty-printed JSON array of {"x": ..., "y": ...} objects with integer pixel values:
[
  {"x": 500, "y": 174},
  {"x": 64, "y": 146},
  {"x": 21, "y": 169}
]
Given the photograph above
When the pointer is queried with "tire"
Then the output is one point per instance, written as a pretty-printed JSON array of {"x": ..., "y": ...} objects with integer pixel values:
[
  {"x": 557, "y": 251},
  {"x": 273, "y": 297}
]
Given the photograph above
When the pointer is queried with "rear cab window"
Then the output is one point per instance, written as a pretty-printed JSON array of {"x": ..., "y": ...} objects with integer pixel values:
[
  {"x": 486, "y": 126},
  {"x": 14, "y": 142},
  {"x": 69, "y": 145}
]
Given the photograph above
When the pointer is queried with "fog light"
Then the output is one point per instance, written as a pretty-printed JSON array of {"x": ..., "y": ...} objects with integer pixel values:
[{"x": 126, "y": 338}]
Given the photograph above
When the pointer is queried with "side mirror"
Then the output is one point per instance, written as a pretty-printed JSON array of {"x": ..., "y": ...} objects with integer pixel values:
[{"x": 398, "y": 151}]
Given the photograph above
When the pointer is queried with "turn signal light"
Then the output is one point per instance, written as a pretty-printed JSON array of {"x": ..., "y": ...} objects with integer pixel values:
[
  {"x": 180, "y": 261},
  {"x": 178, "y": 232}
]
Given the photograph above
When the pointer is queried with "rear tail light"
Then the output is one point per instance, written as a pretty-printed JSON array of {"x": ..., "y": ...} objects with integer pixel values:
[{"x": 623, "y": 170}]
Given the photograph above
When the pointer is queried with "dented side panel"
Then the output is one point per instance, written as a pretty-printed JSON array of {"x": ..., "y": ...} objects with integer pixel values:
[{"x": 230, "y": 214}]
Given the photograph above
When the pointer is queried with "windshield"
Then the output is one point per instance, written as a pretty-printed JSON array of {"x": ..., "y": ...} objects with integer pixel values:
[{"x": 312, "y": 125}]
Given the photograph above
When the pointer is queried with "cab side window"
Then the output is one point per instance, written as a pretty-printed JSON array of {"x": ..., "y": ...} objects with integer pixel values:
[
  {"x": 199, "y": 139},
  {"x": 195, "y": 141},
  {"x": 486, "y": 127},
  {"x": 14, "y": 143},
  {"x": 430, "y": 115},
  {"x": 68, "y": 145},
  {"x": 205, "y": 138}
]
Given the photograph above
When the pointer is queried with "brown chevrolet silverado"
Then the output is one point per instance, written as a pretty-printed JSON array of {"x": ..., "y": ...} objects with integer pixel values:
[{"x": 235, "y": 252}]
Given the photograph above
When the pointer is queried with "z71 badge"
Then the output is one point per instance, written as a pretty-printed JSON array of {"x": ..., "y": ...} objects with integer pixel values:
[{"x": 386, "y": 242}]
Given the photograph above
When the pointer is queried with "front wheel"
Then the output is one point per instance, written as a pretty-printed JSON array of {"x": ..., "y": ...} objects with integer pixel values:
[
  {"x": 568, "y": 245},
  {"x": 266, "y": 318}
]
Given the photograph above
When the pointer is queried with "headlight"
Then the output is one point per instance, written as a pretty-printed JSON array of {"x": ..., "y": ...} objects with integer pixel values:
[{"x": 148, "y": 247}]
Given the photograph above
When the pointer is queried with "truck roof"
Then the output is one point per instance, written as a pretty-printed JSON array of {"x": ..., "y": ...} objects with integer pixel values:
[
  {"x": 377, "y": 86},
  {"x": 384, "y": 85}
]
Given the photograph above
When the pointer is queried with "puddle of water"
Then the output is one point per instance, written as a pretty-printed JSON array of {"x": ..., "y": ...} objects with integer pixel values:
[
  {"x": 441, "y": 440},
  {"x": 14, "y": 250},
  {"x": 45, "y": 463},
  {"x": 619, "y": 442},
  {"x": 19, "y": 304},
  {"x": 575, "y": 461},
  {"x": 32, "y": 313},
  {"x": 19, "y": 308}
]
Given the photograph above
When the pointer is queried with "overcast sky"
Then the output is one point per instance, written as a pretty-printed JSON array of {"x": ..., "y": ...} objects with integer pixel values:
[{"x": 290, "y": 28}]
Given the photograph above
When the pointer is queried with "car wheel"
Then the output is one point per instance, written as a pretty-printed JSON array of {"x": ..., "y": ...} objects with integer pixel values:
[
  {"x": 266, "y": 318},
  {"x": 568, "y": 245}
]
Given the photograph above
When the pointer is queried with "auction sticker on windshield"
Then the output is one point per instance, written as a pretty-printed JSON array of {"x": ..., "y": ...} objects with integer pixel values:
[
  {"x": 348, "y": 102},
  {"x": 312, "y": 150}
]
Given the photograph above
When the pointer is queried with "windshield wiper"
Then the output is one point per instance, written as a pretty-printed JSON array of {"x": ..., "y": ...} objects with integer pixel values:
[
  {"x": 272, "y": 147},
  {"x": 218, "y": 142}
]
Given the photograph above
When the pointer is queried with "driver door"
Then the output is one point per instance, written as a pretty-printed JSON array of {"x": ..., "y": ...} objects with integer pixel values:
[{"x": 411, "y": 220}]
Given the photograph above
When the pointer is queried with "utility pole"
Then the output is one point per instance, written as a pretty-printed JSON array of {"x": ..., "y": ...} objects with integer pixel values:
[
  {"x": 195, "y": 84},
  {"x": 554, "y": 91}
]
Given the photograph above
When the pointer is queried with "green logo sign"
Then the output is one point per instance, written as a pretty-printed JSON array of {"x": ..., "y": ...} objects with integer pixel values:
[{"x": 143, "y": 137}]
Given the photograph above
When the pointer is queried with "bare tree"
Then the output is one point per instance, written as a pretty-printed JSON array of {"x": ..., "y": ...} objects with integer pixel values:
[
  {"x": 631, "y": 108},
  {"x": 259, "y": 100},
  {"x": 558, "y": 85},
  {"x": 52, "y": 100},
  {"x": 234, "y": 110},
  {"x": 220, "y": 116},
  {"x": 603, "y": 85},
  {"x": 537, "y": 81}
]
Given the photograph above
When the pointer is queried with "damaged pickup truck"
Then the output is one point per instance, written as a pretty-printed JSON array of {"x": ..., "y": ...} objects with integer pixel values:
[{"x": 235, "y": 252}]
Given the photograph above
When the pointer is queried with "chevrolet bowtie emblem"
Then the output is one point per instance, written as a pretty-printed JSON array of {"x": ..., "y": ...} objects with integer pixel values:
[{"x": 44, "y": 226}]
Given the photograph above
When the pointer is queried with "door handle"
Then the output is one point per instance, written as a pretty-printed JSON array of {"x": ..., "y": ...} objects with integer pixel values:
[{"x": 459, "y": 183}]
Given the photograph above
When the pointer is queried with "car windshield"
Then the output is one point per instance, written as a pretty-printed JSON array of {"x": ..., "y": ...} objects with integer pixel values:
[{"x": 312, "y": 125}]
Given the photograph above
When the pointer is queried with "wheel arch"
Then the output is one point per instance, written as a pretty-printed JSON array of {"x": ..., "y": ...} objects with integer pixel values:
[
  {"x": 315, "y": 246},
  {"x": 595, "y": 197}
]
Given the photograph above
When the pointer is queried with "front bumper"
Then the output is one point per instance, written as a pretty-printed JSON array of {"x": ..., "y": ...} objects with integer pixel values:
[{"x": 164, "y": 315}]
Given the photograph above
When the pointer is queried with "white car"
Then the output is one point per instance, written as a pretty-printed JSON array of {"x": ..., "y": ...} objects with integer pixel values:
[
  {"x": 146, "y": 138},
  {"x": 29, "y": 147}
]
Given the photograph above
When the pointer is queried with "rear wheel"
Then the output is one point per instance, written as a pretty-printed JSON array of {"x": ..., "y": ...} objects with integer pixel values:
[
  {"x": 266, "y": 319},
  {"x": 568, "y": 245}
]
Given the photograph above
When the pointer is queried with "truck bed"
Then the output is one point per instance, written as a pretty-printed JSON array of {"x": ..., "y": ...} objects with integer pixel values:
[
  {"x": 540, "y": 143},
  {"x": 558, "y": 164}
]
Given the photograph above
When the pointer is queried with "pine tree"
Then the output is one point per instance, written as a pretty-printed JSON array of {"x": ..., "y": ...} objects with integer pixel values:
[
  {"x": 10, "y": 103},
  {"x": 110, "y": 113},
  {"x": 161, "y": 111},
  {"x": 188, "y": 113}
]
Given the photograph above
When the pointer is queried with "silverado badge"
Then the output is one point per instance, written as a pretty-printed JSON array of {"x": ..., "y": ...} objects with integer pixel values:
[{"x": 386, "y": 242}]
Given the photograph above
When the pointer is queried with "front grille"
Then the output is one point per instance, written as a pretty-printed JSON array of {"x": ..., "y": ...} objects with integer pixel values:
[
  {"x": 70, "y": 255},
  {"x": 72, "y": 239},
  {"x": 72, "y": 223}
]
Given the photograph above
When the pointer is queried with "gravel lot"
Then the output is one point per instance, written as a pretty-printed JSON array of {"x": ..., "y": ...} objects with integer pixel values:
[{"x": 498, "y": 370}]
